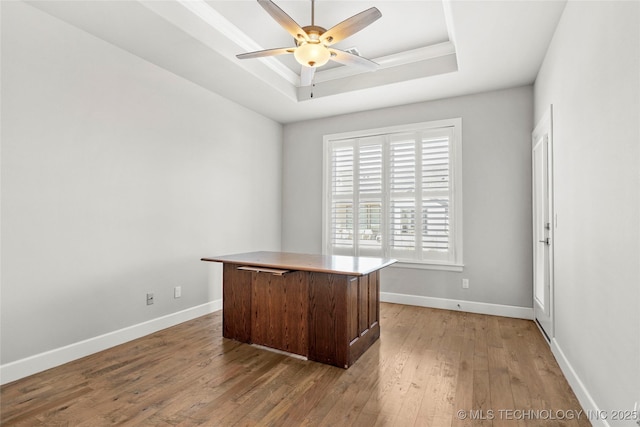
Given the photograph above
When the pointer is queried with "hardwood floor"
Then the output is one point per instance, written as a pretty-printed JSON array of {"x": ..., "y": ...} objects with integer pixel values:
[{"x": 429, "y": 368}]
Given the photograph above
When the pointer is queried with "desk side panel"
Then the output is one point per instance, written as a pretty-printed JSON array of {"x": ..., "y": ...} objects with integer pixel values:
[
  {"x": 364, "y": 305},
  {"x": 368, "y": 315},
  {"x": 236, "y": 303},
  {"x": 328, "y": 319},
  {"x": 343, "y": 317}
]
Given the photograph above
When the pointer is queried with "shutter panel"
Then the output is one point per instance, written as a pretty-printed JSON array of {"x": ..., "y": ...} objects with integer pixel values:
[
  {"x": 402, "y": 185},
  {"x": 342, "y": 215},
  {"x": 370, "y": 197},
  {"x": 435, "y": 193}
]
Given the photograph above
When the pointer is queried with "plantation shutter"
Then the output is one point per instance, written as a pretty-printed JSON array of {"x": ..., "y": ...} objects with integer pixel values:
[{"x": 392, "y": 195}]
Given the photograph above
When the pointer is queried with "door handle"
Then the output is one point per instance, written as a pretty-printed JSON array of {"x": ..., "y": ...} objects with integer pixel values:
[{"x": 546, "y": 241}]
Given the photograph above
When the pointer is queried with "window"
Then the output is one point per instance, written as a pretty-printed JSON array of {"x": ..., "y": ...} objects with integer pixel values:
[{"x": 395, "y": 192}]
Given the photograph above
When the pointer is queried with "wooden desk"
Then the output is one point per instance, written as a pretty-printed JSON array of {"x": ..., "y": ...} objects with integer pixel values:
[{"x": 326, "y": 308}]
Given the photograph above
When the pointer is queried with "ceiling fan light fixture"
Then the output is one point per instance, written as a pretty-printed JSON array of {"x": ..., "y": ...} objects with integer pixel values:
[
  {"x": 312, "y": 42},
  {"x": 312, "y": 54}
]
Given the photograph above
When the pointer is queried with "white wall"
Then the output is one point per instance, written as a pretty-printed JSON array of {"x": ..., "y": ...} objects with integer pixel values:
[
  {"x": 117, "y": 177},
  {"x": 496, "y": 130},
  {"x": 591, "y": 76}
]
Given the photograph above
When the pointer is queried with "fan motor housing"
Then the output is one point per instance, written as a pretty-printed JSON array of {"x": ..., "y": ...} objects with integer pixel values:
[{"x": 313, "y": 31}]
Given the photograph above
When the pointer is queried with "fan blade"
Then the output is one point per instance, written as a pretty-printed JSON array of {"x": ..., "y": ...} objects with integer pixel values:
[
  {"x": 350, "y": 26},
  {"x": 347, "y": 58},
  {"x": 268, "y": 52},
  {"x": 306, "y": 75},
  {"x": 284, "y": 20}
]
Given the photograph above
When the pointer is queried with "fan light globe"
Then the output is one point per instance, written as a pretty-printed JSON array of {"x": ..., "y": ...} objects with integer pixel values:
[{"x": 312, "y": 54}]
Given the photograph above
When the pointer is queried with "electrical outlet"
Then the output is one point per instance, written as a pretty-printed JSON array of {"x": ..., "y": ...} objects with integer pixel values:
[
  {"x": 177, "y": 292},
  {"x": 465, "y": 283},
  {"x": 149, "y": 299}
]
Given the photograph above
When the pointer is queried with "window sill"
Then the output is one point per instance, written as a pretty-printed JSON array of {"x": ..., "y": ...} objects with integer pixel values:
[{"x": 425, "y": 266}]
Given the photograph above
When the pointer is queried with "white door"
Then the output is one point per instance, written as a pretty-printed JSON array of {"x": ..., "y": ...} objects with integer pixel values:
[{"x": 543, "y": 225}]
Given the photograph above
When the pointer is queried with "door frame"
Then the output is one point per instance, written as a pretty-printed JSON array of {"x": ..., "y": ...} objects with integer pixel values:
[{"x": 542, "y": 129}]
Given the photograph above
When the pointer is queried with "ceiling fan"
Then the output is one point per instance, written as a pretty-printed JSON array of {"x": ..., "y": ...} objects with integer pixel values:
[{"x": 313, "y": 43}]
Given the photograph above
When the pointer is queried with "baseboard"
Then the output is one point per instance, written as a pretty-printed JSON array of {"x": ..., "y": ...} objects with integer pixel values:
[
  {"x": 459, "y": 305},
  {"x": 585, "y": 399},
  {"x": 40, "y": 362}
]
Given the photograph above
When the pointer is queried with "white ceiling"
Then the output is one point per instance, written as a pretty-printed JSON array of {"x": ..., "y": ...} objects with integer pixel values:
[{"x": 427, "y": 49}]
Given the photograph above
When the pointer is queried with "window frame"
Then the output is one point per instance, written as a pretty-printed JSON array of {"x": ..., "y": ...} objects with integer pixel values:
[{"x": 455, "y": 262}]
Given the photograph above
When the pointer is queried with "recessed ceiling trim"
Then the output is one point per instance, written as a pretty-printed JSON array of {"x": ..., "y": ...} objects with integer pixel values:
[
  {"x": 448, "y": 19},
  {"x": 209, "y": 15},
  {"x": 394, "y": 60},
  {"x": 430, "y": 67}
]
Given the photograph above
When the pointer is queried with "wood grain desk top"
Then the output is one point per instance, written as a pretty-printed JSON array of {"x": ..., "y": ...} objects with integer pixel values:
[{"x": 352, "y": 266}]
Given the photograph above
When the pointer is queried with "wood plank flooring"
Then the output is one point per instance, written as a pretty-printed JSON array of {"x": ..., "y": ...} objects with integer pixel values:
[{"x": 430, "y": 368}]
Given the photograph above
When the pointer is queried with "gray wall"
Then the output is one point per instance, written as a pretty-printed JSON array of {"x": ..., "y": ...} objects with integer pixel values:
[
  {"x": 590, "y": 75},
  {"x": 496, "y": 133},
  {"x": 117, "y": 176}
]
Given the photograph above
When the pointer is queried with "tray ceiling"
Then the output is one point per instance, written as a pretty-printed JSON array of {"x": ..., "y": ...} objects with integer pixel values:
[
  {"x": 427, "y": 49},
  {"x": 401, "y": 29}
]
